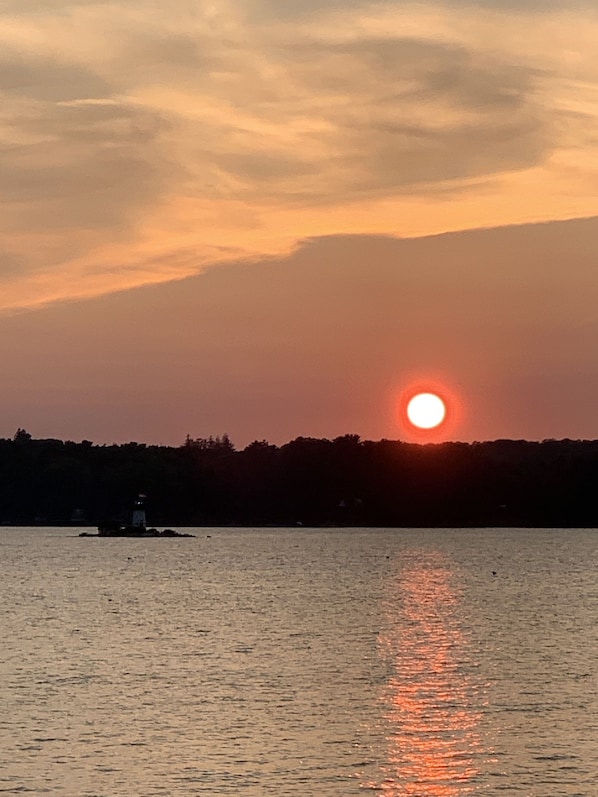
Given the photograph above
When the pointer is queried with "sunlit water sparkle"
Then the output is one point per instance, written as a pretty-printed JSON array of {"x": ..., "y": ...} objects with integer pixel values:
[{"x": 308, "y": 662}]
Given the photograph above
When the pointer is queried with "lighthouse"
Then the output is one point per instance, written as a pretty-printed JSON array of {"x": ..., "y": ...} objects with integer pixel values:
[{"x": 138, "y": 520}]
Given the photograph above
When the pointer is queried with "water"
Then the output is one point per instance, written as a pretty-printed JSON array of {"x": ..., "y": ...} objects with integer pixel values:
[{"x": 299, "y": 662}]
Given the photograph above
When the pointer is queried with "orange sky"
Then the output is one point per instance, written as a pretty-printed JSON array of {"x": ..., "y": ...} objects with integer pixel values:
[{"x": 228, "y": 216}]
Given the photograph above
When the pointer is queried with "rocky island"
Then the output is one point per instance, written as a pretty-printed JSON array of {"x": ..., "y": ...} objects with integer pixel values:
[{"x": 137, "y": 527}]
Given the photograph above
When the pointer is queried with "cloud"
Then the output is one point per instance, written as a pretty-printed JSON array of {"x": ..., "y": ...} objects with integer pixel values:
[
  {"x": 265, "y": 9},
  {"x": 43, "y": 79},
  {"x": 416, "y": 112},
  {"x": 132, "y": 132},
  {"x": 79, "y": 164},
  {"x": 10, "y": 263}
]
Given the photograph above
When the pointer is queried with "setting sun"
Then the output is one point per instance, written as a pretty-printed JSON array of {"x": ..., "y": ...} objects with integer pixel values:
[
  {"x": 426, "y": 410},
  {"x": 429, "y": 409}
]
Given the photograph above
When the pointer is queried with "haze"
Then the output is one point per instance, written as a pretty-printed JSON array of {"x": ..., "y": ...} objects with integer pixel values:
[{"x": 267, "y": 218}]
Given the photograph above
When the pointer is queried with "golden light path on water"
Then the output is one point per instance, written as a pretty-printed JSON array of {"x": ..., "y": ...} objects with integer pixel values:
[{"x": 430, "y": 699}]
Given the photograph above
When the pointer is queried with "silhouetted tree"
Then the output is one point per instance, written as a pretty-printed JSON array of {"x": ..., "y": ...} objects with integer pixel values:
[{"x": 345, "y": 481}]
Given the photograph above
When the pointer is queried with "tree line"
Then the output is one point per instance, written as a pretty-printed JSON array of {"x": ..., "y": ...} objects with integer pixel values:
[{"x": 342, "y": 482}]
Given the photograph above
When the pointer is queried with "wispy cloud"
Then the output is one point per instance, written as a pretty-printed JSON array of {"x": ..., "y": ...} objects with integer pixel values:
[{"x": 141, "y": 142}]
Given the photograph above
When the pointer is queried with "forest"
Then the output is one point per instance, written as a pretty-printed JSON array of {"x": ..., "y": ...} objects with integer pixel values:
[{"x": 306, "y": 482}]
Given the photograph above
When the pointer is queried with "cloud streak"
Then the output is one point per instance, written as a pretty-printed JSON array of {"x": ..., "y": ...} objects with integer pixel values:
[{"x": 142, "y": 143}]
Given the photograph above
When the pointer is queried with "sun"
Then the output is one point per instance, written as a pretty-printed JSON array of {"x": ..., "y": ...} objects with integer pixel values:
[
  {"x": 426, "y": 410},
  {"x": 429, "y": 409}
]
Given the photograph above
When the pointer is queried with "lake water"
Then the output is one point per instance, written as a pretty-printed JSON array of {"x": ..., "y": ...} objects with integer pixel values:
[{"x": 300, "y": 662}]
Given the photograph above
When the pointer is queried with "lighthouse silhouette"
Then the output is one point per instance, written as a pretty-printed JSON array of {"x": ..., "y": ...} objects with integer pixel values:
[{"x": 138, "y": 519}]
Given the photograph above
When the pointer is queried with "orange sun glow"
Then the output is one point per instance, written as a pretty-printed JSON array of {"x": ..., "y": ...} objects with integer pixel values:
[{"x": 429, "y": 411}]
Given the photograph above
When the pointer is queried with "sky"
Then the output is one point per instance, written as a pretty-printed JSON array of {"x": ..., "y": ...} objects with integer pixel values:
[{"x": 272, "y": 219}]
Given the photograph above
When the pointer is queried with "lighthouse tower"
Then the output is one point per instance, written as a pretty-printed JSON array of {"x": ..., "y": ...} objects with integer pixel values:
[{"x": 139, "y": 513}]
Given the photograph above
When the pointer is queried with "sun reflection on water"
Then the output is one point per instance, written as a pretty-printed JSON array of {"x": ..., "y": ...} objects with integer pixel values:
[{"x": 430, "y": 698}]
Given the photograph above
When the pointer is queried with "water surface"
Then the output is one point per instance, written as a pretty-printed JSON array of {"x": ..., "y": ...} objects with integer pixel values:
[{"x": 327, "y": 662}]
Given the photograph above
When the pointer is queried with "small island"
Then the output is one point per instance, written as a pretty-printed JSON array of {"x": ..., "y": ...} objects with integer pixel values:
[{"x": 137, "y": 527}]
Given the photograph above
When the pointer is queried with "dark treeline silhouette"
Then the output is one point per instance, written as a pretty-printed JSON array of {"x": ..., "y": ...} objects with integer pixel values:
[{"x": 343, "y": 482}]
